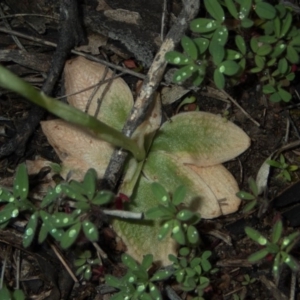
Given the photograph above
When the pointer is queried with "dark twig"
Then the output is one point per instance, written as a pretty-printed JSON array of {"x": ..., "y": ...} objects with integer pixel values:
[
  {"x": 151, "y": 82},
  {"x": 47, "y": 43},
  {"x": 70, "y": 34}
]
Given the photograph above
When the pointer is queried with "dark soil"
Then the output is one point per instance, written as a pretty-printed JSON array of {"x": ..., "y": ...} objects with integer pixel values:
[{"x": 42, "y": 275}]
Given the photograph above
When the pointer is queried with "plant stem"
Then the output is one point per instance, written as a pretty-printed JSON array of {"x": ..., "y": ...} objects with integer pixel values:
[{"x": 70, "y": 114}]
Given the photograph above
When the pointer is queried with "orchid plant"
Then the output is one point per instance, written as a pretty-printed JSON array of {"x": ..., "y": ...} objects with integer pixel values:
[{"x": 186, "y": 150}]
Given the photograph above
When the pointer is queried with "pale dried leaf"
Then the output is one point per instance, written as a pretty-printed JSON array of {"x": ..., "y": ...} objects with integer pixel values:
[{"x": 201, "y": 138}]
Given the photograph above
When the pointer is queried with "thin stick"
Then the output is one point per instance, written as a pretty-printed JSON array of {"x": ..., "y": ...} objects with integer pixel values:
[
  {"x": 59, "y": 256},
  {"x": 242, "y": 110},
  {"x": 123, "y": 214},
  {"x": 47, "y": 43}
]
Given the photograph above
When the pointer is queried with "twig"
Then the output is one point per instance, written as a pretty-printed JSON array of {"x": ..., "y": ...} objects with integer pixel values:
[
  {"x": 61, "y": 259},
  {"x": 54, "y": 45},
  {"x": 6, "y": 23},
  {"x": 100, "y": 251},
  {"x": 163, "y": 20},
  {"x": 150, "y": 84},
  {"x": 123, "y": 214},
  {"x": 293, "y": 286},
  {"x": 242, "y": 110},
  {"x": 18, "y": 252}
]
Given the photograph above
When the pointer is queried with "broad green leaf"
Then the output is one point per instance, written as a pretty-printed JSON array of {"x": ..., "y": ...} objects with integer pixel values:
[
  {"x": 43, "y": 233},
  {"x": 88, "y": 273},
  {"x": 265, "y": 10},
  {"x": 30, "y": 229},
  {"x": 21, "y": 185},
  {"x": 115, "y": 107},
  {"x": 161, "y": 275},
  {"x": 8, "y": 212},
  {"x": 201, "y": 25},
  {"x": 254, "y": 44},
  {"x": 219, "y": 79},
  {"x": 295, "y": 41},
  {"x": 277, "y": 26},
  {"x": 158, "y": 212},
  {"x": 73, "y": 193},
  {"x": 50, "y": 197},
  {"x": 189, "y": 47},
  {"x": 70, "y": 236},
  {"x": 147, "y": 261},
  {"x": 178, "y": 234},
  {"x": 90, "y": 231},
  {"x": 220, "y": 36},
  {"x": 278, "y": 50},
  {"x": 200, "y": 138},
  {"x": 215, "y": 9},
  {"x": 112, "y": 281},
  {"x": 232, "y": 54},
  {"x": 18, "y": 295},
  {"x": 177, "y": 58},
  {"x": 129, "y": 262},
  {"x": 267, "y": 39},
  {"x": 154, "y": 292},
  {"x": 259, "y": 61},
  {"x": 141, "y": 236},
  {"x": 253, "y": 186}
]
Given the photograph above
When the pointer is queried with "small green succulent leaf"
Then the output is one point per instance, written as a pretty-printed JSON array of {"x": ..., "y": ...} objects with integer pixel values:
[
  {"x": 240, "y": 43},
  {"x": 229, "y": 67},
  {"x": 43, "y": 233},
  {"x": 17, "y": 295},
  {"x": 8, "y": 212},
  {"x": 178, "y": 234},
  {"x": 89, "y": 183},
  {"x": 247, "y": 23},
  {"x": 184, "y": 251},
  {"x": 62, "y": 220},
  {"x": 154, "y": 292},
  {"x": 232, "y": 8},
  {"x": 70, "y": 236},
  {"x": 259, "y": 61},
  {"x": 286, "y": 26},
  {"x": 147, "y": 261},
  {"x": 30, "y": 229},
  {"x": 249, "y": 206},
  {"x": 184, "y": 215},
  {"x": 276, "y": 232},
  {"x": 88, "y": 273},
  {"x": 129, "y": 262},
  {"x": 253, "y": 186},
  {"x": 254, "y": 44},
  {"x": 21, "y": 185},
  {"x": 165, "y": 230},
  {"x": 264, "y": 50},
  {"x": 159, "y": 212},
  {"x": 161, "y": 275},
  {"x": 245, "y": 196},
  {"x": 6, "y": 196},
  {"x": 258, "y": 255},
  {"x": 215, "y": 9},
  {"x": 275, "y": 97},
  {"x": 90, "y": 231},
  {"x": 292, "y": 55},
  {"x": 219, "y": 79},
  {"x": 265, "y": 10},
  {"x": 217, "y": 52},
  {"x": 232, "y": 54},
  {"x": 73, "y": 193},
  {"x": 256, "y": 236},
  {"x": 201, "y": 25},
  {"x": 277, "y": 26},
  {"x": 160, "y": 193},
  {"x": 50, "y": 197},
  {"x": 192, "y": 234},
  {"x": 285, "y": 95},
  {"x": 245, "y": 7},
  {"x": 79, "y": 262},
  {"x": 295, "y": 41},
  {"x": 177, "y": 58},
  {"x": 220, "y": 36},
  {"x": 283, "y": 65},
  {"x": 189, "y": 47},
  {"x": 184, "y": 73},
  {"x": 267, "y": 39},
  {"x": 202, "y": 44},
  {"x": 113, "y": 281},
  {"x": 292, "y": 263},
  {"x": 102, "y": 198},
  {"x": 179, "y": 195},
  {"x": 278, "y": 50}
]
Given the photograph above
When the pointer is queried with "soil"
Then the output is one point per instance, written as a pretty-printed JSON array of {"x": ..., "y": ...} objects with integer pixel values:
[{"x": 42, "y": 275}]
